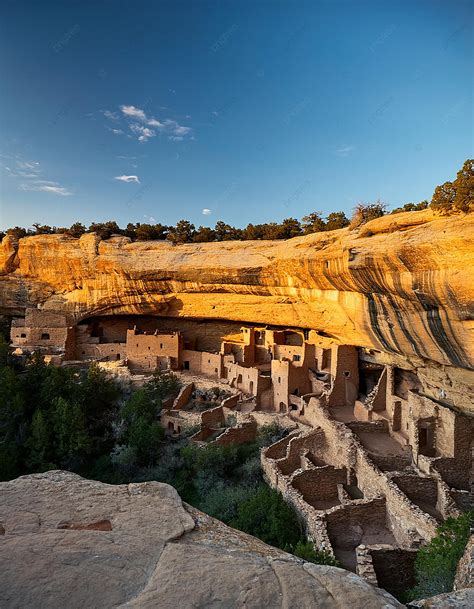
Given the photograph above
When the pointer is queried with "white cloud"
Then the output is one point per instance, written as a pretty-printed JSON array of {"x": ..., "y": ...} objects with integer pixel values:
[
  {"x": 52, "y": 187},
  {"x": 154, "y": 123},
  {"x": 133, "y": 112},
  {"x": 125, "y": 178},
  {"x": 143, "y": 132},
  {"x": 345, "y": 150},
  {"x": 206, "y": 211},
  {"x": 141, "y": 124}
]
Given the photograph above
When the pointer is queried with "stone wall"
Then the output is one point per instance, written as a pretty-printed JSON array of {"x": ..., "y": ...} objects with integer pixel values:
[{"x": 394, "y": 568}]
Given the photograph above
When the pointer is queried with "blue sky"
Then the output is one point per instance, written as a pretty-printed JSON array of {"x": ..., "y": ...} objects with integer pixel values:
[{"x": 245, "y": 111}]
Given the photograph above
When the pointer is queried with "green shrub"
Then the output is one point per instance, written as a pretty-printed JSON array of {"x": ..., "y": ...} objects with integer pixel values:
[
  {"x": 266, "y": 516},
  {"x": 307, "y": 551},
  {"x": 436, "y": 563}
]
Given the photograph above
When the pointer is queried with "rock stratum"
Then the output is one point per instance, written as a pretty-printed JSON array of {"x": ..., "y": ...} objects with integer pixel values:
[
  {"x": 70, "y": 542},
  {"x": 402, "y": 284}
]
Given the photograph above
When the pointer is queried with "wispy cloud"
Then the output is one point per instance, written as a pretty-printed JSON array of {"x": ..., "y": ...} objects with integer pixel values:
[
  {"x": 146, "y": 127},
  {"x": 344, "y": 150},
  {"x": 51, "y": 187},
  {"x": 30, "y": 173},
  {"x": 206, "y": 211},
  {"x": 125, "y": 178},
  {"x": 112, "y": 115}
]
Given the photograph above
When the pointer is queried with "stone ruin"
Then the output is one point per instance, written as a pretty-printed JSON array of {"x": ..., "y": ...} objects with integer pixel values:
[{"x": 378, "y": 456}]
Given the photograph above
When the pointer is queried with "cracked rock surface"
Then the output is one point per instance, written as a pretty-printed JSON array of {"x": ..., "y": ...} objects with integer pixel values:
[{"x": 70, "y": 542}]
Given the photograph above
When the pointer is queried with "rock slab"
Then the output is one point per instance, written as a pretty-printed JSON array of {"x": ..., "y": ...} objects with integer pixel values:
[{"x": 70, "y": 542}]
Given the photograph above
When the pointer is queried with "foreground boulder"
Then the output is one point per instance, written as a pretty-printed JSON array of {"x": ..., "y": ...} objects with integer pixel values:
[{"x": 70, "y": 542}]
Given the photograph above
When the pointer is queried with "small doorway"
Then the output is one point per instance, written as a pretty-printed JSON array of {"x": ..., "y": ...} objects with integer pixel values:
[
  {"x": 186, "y": 365},
  {"x": 426, "y": 439}
]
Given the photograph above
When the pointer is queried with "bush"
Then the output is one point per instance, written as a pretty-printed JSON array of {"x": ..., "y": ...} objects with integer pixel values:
[
  {"x": 457, "y": 196},
  {"x": 364, "y": 213},
  {"x": 436, "y": 563},
  {"x": 307, "y": 551},
  {"x": 266, "y": 516}
]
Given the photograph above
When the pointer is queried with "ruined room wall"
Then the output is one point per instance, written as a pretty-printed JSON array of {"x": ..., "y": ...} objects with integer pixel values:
[
  {"x": 245, "y": 432},
  {"x": 101, "y": 351},
  {"x": 211, "y": 364},
  {"x": 418, "y": 488},
  {"x": 194, "y": 358},
  {"x": 319, "y": 483},
  {"x": 213, "y": 417},
  {"x": 394, "y": 568},
  {"x": 345, "y": 375}
]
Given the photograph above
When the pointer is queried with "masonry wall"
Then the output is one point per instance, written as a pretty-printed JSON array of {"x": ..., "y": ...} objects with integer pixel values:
[
  {"x": 345, "y": 375},
  {"x": 44, "y": 338},
  {"x": 319, "y": 483},
  {"x": 245, "y": 432},
  {"x": 109, "y": 351},
  {"x": 418, "y": 488},
  {"x": 394, "y": 568},
  {"x": 146, "y": 352}
]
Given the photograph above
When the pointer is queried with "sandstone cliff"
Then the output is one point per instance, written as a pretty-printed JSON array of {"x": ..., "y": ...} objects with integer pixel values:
[
  {"x": 402, "y": 284},
  {"x": 70, "y": 542}
]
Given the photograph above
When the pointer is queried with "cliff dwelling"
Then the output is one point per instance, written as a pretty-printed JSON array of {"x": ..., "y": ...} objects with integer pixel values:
[{"x": 376, "y": 459}]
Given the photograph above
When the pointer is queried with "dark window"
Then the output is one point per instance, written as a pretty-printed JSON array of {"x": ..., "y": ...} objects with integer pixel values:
[
  {"x": 23, "y": 335},
  {"x": 186, "y": 365},
  {"x": 296, "y": 358},
  {"x": 45, "y": 336},
  {"x": 161, "y": 345}
]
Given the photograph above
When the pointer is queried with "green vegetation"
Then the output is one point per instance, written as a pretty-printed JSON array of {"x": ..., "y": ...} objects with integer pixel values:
[
  {"x": 77, "y": 420},
  {"x": 457, "y": 196},
  {"x": 436, "y": 563},
  {"x": 449, "y": 198},
  {"x": 83, "y": 421},
  {"x": 307, "y": 551}
]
